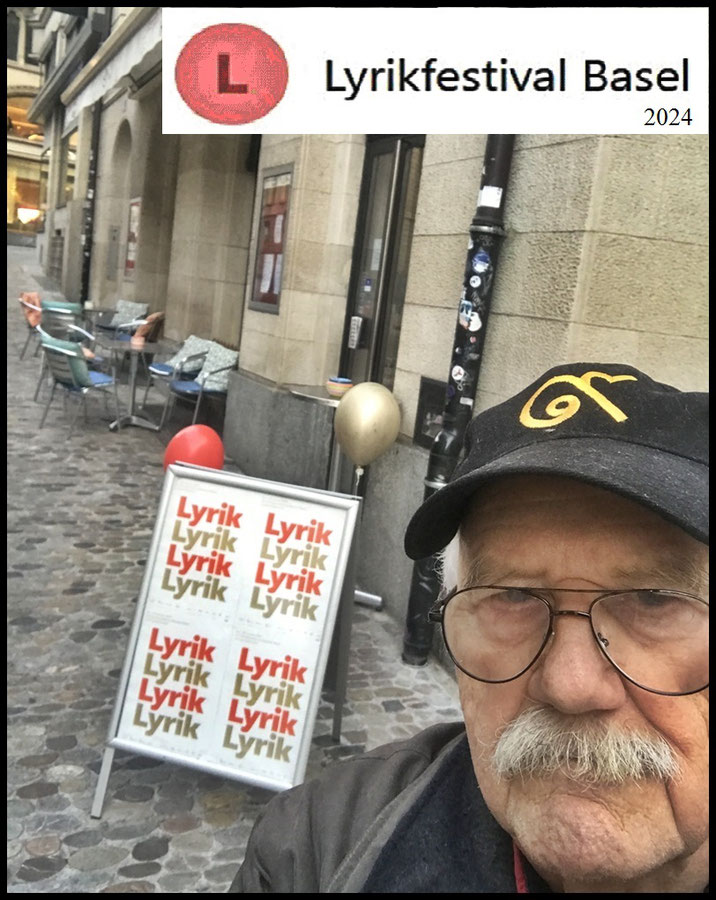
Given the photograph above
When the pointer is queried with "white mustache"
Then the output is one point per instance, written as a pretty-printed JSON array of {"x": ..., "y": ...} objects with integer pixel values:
[{"x": 542, "y": 742}]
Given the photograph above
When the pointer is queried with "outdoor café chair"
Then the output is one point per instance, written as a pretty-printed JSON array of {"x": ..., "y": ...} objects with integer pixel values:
[
  {"x": 69, "y": 370},
  {"x": 149, "y": 328},
  {"x": 29, "y": 303},
  {"x": 62, "y": 327},
  {"x": 32, "y": 307},
  {"x": 57, "y": 317},
  {"x": 212, "y": 381},
  {"x": 184, "y": 364},
  {"x": 123, "y": 319}
]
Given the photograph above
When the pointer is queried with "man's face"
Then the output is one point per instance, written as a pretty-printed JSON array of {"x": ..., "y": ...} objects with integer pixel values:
[{"x": 558, "y": 533}]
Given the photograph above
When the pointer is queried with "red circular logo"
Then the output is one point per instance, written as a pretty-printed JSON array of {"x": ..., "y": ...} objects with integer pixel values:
[{"x": 231, "y": 74}]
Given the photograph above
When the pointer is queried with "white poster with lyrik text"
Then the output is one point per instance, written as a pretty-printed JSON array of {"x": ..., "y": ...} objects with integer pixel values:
[{"x": 234, "y": 623}]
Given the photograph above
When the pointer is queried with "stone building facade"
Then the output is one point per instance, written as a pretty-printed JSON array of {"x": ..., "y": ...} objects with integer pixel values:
[
  {"x": 604, "y": 259},
  {"x": 26, "y": 165}
]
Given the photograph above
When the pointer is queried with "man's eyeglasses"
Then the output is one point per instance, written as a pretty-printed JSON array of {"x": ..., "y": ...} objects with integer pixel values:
[{"x": 658, "y": 640}]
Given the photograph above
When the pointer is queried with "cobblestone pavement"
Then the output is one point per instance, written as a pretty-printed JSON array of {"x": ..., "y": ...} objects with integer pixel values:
[{"x": 80, "y": 518}]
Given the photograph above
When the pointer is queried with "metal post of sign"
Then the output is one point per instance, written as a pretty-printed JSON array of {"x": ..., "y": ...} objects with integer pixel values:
[
  {"x": 102, "y": 783},
  {"x": 342, "y": 633}
]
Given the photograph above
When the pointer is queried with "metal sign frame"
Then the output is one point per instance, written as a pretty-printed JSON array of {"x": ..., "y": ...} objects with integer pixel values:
[{"x": 205, "y": 664}]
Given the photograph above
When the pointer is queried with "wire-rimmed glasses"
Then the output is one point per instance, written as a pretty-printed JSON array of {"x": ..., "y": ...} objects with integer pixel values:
[{"x": 657, "y": 639}]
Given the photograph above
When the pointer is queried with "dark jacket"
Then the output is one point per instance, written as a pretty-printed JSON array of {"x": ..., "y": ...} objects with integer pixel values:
[{"x": 405, "y": 818}]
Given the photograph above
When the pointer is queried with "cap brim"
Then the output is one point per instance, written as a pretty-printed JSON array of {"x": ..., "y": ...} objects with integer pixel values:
[{"x": 673, "y": 486}]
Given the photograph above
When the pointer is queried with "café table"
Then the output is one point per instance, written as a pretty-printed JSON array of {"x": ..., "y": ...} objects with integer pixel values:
[{"x": 119, "y": 348}]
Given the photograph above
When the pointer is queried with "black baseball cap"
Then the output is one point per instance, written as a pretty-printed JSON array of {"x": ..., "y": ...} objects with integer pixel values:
[{"x": 605, "y": 424}]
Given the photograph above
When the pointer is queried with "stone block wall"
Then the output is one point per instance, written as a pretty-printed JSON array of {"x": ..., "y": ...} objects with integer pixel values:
[
  {"x": 605, "y": 259},
  {"x": 301, "y": 344}
]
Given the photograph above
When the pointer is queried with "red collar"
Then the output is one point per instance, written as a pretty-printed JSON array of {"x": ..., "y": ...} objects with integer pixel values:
[{"x": 520, "y": 877}]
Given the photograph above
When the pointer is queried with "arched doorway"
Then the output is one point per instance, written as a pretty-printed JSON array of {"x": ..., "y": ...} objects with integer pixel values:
[{"x": 116, "y": 200}]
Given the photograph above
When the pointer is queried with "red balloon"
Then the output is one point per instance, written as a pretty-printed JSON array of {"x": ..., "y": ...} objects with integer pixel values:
[{"x": 198, "y": 445}]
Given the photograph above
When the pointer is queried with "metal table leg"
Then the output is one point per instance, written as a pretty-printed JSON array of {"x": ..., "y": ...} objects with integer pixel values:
[{"x": 130, "y": 418}]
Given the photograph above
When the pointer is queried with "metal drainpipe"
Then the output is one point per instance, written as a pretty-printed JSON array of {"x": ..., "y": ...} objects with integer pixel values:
[
  {"x": 486, "y": 234},
  {"x": 89, "y": 204}
]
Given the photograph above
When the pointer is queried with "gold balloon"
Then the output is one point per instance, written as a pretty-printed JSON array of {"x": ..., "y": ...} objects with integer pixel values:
[{"x": 367, "y": 422}]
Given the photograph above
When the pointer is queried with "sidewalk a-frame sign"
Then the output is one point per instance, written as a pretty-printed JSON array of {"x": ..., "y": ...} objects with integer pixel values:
[{"x": 230, "y": 641}]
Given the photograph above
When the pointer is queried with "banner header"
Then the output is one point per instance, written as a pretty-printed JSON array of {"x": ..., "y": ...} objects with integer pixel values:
[{"x": 441, "y": 70}]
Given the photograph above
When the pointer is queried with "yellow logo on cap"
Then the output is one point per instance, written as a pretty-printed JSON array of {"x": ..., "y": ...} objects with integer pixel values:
[{"x": 562, "y": 408}]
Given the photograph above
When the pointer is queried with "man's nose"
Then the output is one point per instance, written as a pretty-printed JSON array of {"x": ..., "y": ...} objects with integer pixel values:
[{"x": 572, "y": 674}]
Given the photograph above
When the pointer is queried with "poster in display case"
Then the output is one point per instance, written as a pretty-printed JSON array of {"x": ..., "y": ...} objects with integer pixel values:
[
  {"x": 268, "y": 270},
  {"x": 130, "y": 261}
]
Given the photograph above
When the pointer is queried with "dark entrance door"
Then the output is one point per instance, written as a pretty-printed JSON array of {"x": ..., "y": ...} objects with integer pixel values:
[{"x": 384, "y": 233}]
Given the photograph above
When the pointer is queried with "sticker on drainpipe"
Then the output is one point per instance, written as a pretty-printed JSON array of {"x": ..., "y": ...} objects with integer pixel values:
[{"x": 490, "y": 196}]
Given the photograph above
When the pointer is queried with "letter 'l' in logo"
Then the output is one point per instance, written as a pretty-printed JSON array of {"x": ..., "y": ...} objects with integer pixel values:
[
  {"x": 231, "y": 74},
  {"x": 564, "y": 407}
]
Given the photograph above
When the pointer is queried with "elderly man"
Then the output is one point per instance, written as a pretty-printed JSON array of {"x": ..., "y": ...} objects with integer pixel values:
[{"x": 576, "y": 612}]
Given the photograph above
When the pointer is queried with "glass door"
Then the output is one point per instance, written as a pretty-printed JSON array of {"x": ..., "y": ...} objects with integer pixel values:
[{"x": 389, "y": 192}]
